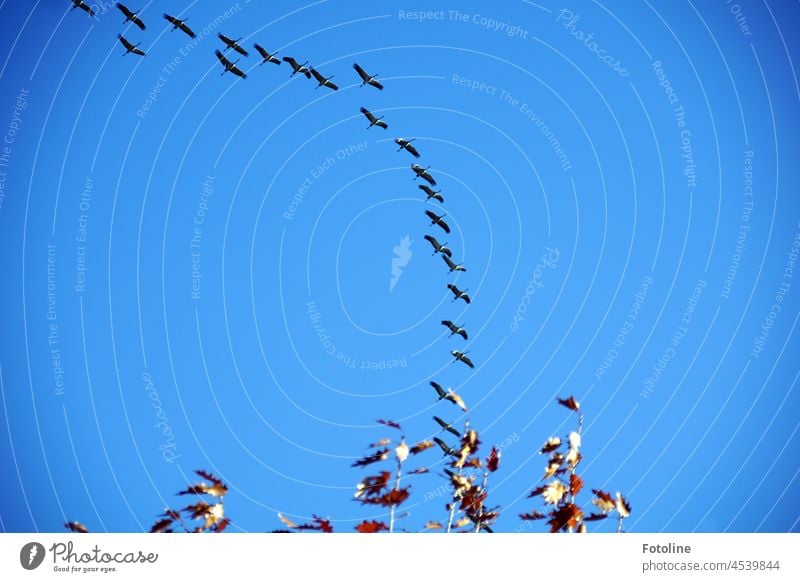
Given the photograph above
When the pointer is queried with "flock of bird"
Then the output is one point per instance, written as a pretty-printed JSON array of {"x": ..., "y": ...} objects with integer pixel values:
[{"x": 419, "y": 171}]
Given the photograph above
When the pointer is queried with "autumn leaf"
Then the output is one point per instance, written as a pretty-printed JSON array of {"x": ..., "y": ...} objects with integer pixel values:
[
  {"x": 575, "y": 484},
  {"x": 567, "y": 516},
  {"x": 420, "y": 446},
  {"x": 570, "y": 403},
  {"x": 595, "y": 517},
  {"x": 317, "y": 524},
  {"x": 287, "y": 522},
  {"x": 419, "y": 471},
  {"x": 536, "y": 492},
  {"x": 371, "y": 527},
  {"x": 551, "y": 445},
  {"x": 433, "y": 525},
  {"x": 376, "y": 457},
  {"x": 373, "y": 485},
  {"x": 551, "y": 470},
  {"x": 162, "y": 526},
  {"x": 393, "y": 497},
  {"x": 574, "y": 440},
  {"x": 76, "y": 527},
  {"x": 604, "y": 501},
  {"x": 390, "y": 423},
  {"x": 380, "y": 443},
  {"x": 493, "y": 460},
  {"x": 554, "y": 492},
  {"x": 533, "y": 515},
  {"x": 622, "y": 506}
]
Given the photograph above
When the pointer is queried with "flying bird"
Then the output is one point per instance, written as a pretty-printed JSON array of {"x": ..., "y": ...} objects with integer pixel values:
[
  {"x": 83, "y": 6},
  {"x": 448, "y": 452},
  {"x": 449, "y": 395},
  {"x": 405, "y": 144},
  {"x": 130, "y": 16},
  {"x": 178, "y": 23},
  {"x": 372, "y": 119},
  {"x": 367, "y": 79},
  {"x": 454, "y": 329},
  {"x": 130, "y": 47},
  {"x": 233, "y": 44},
  {"x": 438, "y": 248},
  {"x": 297, "y": 67},
  {"x": 266, "y": 55},
  {"x": 323, "y": 81},
  {"x": 430, "y": 193},
  {"x": 437, "y": 220},
  {"x": 446, "y": 426},
  {"x": 459, "y": 294},
  {"x": 452, "y": 266},
  {"x": 420, "y": 172},
  {"x": 462, "y": 357},
  {"x": 229, "y": 66}
]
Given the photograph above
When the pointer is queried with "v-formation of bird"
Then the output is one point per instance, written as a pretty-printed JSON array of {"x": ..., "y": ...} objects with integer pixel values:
[{"x": 374, "y": 121}]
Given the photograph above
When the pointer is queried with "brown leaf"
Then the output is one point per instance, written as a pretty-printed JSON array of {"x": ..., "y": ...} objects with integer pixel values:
[
  {"x": 371, "y": 527},
  {"x": 567, "y": 516},
  {"x": 393, "y": 497},
  {"x": 595, "y": 517},
  {"x": 538, "y": 491},
  {"x": 287, "y": 522},
  {"x": 433, "y": 525},
  {"x": 161, "y": 526},
  {"x": 421, "y": 446},
  {"x": 532, "y": 515},
  {"x": 376, "y": 457},
  {"x": 493, "y": 460},
  {"x": 76, "y": 527},
  {"x": 551, "y": 445},
  {"x": 390, "y": 423},
  {"x": 604, "y": 501},
  {"x": 374, "y": 485},
  {"x": 575, "y": 484},
  {"x": 622, "y": 505},
  {"x": 570, "y": 403}
]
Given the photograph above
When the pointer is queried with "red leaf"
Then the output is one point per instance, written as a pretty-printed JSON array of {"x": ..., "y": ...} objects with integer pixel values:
[
  {"x": 493, "y": 460},
  {"x": 371, "y": 527},
  {"x": 376, "y": 457},
  {"x": 575, "y": 484},
  {"x": 570, "y": 403},
  {"x": 390, "y": 423},
  {"x": 567, "y": 516},
  {"x": 532, "y": 515}
]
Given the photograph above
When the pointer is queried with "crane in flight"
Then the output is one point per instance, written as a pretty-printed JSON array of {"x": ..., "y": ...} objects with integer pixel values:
[
  {"x": 233, "y": 44},
  {"x": 266, "y": 56},
  {"x": 454, "y": 329},
  {"x": 437, "y": 247},
  {"x": 438, "y": 220},
  {"x": 130, "y": 15},
  {"x": 229, "y": 66},
  {"x": 372, "y": 119},
  {"x": 130, "y": 47},
  {"x": 323, "y": 80},
  {"x": 405, "y": 144},
  {"x": 180, "y": 24},
  {"x": 367, "y": 79},
  {"x": 297, "y": 67},
  {"x": 420, "y": 172},
  {"x": 83, "y": 6},
  {"x": 459, "y": 294},
  {"x": 431, "y": 193},
  {"x": 462, "y": 357},
  {"x": 452, "y": 266},
  {"x": 449, "y": 395},
  {"x": 447, "y": 426}
]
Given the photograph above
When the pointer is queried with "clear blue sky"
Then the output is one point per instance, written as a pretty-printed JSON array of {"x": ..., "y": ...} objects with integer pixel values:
[{"x": 621, "y": 180}]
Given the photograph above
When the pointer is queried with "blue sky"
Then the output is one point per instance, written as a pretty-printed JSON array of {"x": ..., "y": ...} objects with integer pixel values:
[{"x": 212, "y": 257}]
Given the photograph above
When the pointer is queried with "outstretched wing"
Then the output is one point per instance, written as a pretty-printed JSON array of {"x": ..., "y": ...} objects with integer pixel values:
[
  {"x": 361, "y": 72},
  {"x": 368, "y": 114}
]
